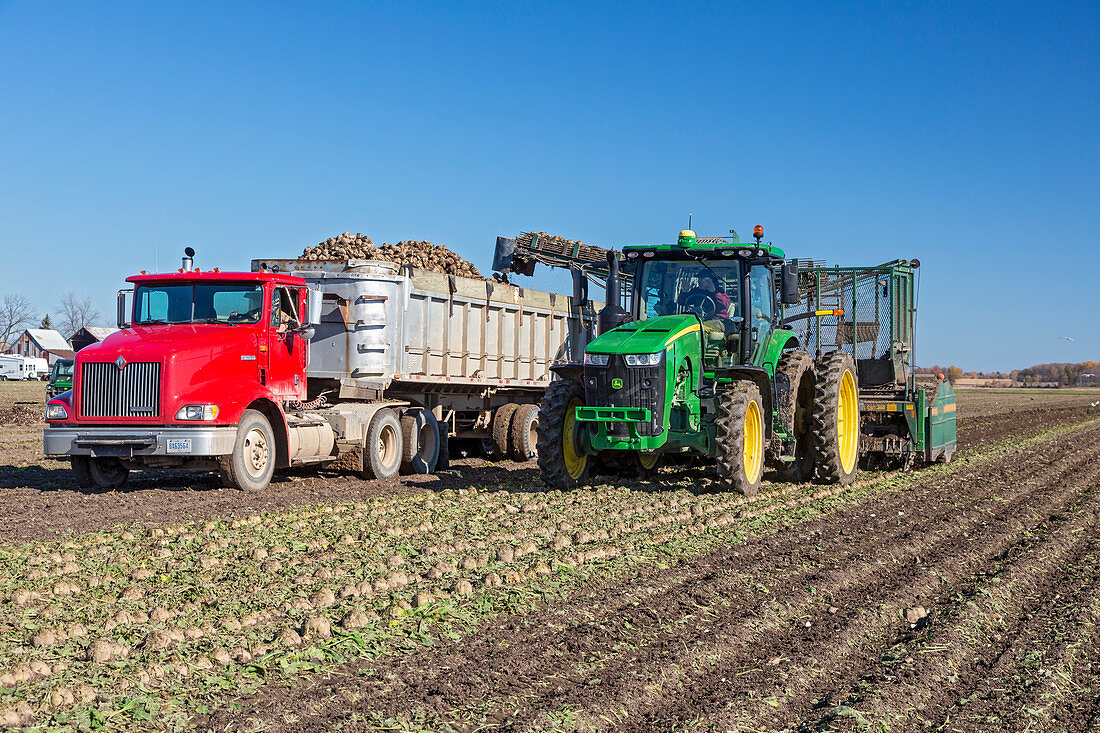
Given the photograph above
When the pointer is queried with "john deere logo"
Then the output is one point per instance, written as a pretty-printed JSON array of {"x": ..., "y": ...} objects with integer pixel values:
[{"x": 616, "y": 383}]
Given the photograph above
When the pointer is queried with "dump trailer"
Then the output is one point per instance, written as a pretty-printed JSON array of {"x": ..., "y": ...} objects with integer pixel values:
[
  {"x": 358, "y": 364},
  {"x": 730, "y": 351}
]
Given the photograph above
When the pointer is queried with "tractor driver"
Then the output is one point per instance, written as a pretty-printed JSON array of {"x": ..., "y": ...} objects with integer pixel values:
[{"x": 707, "y": 298}]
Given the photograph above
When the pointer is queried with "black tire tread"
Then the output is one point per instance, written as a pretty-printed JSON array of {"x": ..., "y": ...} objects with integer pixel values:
[
  {"x": 830, "y": 369},
  {"x": 792, "y": 368},
  {"x": 502, "y": 428},
  {"x": 521, "y": 447},
  {"x": 729, "y": 454},
  {"x": 552, "y": 410}
]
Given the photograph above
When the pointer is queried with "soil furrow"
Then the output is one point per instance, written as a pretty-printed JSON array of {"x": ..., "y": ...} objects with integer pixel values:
[
  {"x": 1049, "y": 668},
  {"x": 889, "y": 581},
  {"x": 948, "y": 656},
  {"x": 478, "y": 667}
]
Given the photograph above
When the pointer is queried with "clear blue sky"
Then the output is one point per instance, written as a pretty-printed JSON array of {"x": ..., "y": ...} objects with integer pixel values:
[{"x": 965, "y": 135}]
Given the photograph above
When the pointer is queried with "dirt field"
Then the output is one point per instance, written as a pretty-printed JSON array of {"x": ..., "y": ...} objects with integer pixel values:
[{"x": 959, "y": 597}]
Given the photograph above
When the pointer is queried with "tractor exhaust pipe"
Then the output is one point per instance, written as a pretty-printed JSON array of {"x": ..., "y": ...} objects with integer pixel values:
[{"x": 612, "y": 315}]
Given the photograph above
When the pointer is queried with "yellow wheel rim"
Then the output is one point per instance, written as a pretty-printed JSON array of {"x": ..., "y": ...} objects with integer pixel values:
[
  {"x": 752, "y": 452},
  {"x": 649, "y": 460},
  {"x": 847, "y": 422},
  {"x": 575, "y": 461}
]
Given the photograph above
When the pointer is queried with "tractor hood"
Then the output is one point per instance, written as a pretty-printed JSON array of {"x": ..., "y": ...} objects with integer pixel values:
[{"x": 644, "y": 337}]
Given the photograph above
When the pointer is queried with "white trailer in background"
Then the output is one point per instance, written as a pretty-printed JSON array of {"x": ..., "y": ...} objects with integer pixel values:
[{"x": 16, "y": 367}]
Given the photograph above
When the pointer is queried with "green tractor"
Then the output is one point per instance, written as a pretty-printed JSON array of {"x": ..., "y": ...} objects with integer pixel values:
[{"x": 714, "y": 359}]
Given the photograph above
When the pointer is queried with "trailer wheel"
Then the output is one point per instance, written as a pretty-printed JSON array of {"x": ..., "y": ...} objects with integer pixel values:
[
  {"x": 524, "y": 433},
  {"x": 794, "y": 379},
  {"x": 502, "y": 428},
  {"x": 562, "y": 460},
  {"x": 740, "y": 439},
  {"x": 420, "y": 441},
  {"x": 99, "y": 473},
  {"x": 382, "y": 445},
  {"x": 836, "y": 418},
  {"x": 252, "y": 463}
]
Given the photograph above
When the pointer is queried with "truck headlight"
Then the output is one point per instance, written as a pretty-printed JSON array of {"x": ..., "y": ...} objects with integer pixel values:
[
  {"x": 596, "y": 359},
  {"x": 197, "y": 412},
  {"x": 643, "y": 359},
  {"x": 56, "y": 411}
]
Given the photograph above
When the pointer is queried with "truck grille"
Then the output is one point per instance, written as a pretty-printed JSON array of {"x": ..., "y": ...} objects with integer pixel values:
[
  {"x": 107, "y": 391},
  {"x": 642, "y": 387}
]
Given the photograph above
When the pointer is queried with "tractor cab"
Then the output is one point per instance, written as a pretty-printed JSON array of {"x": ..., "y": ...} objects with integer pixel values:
[{"x": 725, "y": 288}]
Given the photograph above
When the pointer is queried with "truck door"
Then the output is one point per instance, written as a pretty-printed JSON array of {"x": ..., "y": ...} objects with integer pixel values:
[{"x": 286, "y": 350}]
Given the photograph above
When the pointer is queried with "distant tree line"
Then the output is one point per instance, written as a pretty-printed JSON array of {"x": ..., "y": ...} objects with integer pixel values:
[
  {"x": 1083, "y": 374},
  {"x": 74, "y": 312}
]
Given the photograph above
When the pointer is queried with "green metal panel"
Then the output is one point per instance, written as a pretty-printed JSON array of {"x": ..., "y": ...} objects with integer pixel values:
[{"x": 941, "y": 432}]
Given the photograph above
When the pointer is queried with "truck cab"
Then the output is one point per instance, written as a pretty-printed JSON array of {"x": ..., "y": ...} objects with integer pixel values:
[{"x": 196, "y": 353}]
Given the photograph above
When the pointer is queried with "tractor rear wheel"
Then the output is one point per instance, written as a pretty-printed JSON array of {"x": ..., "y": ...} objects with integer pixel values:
[
  {"x": 562, "y": 460},
  {"x": 740, "y": 439},
  {"x": 794, "y": 379},
  {"x": 836, "y": 418}
]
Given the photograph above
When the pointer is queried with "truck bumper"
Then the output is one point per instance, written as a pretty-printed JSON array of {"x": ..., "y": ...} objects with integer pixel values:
[{"x": 126, "y": 443}]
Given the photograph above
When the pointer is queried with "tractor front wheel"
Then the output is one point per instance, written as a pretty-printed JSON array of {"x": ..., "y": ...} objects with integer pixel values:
[
  {"x": 740, "y": 439},
  {"x": 836, "y": 418},
  {"x": 562, "y": 460}
]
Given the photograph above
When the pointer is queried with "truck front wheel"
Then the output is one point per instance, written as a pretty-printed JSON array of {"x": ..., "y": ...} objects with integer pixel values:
[
  {"x": 252, "y": 463},
  {"x": 99, "y": 473}
]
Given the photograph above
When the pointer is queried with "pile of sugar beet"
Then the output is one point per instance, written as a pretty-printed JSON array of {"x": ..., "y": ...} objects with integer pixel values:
[{"x": 425, "y": 255}]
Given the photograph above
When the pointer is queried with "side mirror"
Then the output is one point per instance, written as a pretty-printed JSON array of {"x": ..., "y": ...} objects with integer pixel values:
[
  {"x": 789, "y": 291},
  {"x": 305, "y": 332},
  {"x": 580, "y": 287},
  {"x": 123, "y": 316},
  {"x": 313, "y": 307}
]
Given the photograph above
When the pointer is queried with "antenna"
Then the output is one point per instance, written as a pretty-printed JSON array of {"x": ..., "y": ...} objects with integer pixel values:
[
  {"x": 689, "y": 220},
  {"x": 156, "y": 243}
]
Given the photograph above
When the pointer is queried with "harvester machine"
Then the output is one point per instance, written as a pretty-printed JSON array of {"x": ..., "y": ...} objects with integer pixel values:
[{"x": 728, "y": 351}]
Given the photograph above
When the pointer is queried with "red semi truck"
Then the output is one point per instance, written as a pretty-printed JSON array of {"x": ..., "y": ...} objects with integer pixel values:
[{"x": 311, "y": 362}]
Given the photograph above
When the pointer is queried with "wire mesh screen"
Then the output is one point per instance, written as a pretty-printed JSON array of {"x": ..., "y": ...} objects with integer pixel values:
[{"x": 866, "y": 296}]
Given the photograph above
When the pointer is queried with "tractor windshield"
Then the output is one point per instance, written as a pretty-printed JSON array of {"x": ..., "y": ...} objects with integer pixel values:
[{"x": 711, "y": 291}]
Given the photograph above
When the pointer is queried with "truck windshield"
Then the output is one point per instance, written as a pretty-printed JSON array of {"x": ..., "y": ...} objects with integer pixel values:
[
  {"x": 194, "y": 303},
  {"x": 711, "y": 291}
]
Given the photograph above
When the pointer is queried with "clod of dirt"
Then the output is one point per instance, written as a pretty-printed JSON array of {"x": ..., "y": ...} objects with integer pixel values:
[
  {"x": 915, "y": 614},
  {"x": 506, "y": 554},
  {"x": 21, "y": 415},
  {"x": 492, "y": 580},
  {"x": 21, "y": 597},
  {"x": 424, "y": 255},
  {"x": 422, "y": 599},
  {"x": 463, "y": 588}
]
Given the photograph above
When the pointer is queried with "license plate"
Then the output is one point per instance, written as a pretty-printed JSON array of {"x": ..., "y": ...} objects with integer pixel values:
[{"x": 179, "y": 445}]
